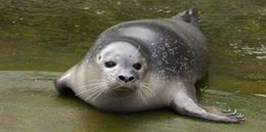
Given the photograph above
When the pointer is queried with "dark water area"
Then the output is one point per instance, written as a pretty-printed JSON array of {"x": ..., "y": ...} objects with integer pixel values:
[{"x": 53, "y": 35}]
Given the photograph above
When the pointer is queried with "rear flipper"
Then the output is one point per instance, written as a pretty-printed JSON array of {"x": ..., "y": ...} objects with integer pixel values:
[
  {"x": 185, "y": 105},
  {"x": 190, "y": 16}
]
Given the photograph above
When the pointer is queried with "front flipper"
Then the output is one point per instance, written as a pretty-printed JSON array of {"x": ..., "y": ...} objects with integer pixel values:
[{"x": 185, "y": 105}]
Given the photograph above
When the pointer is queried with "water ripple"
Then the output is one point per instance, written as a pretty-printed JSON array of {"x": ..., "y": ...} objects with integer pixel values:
[{"x": 259, "y": 52}]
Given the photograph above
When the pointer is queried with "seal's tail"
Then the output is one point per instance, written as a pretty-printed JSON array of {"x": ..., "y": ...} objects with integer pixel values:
[{"x": 189, "y": 16}]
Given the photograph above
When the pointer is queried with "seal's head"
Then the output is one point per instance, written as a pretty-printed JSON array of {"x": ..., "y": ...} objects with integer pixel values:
[{"x": 122, "y": 67}]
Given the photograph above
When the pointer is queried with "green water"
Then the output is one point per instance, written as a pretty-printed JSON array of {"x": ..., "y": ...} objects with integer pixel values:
[{"x": 52, "y": 35}]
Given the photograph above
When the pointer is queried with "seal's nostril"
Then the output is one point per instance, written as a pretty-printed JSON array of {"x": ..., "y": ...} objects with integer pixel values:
[
  {"x": 122, "y": 78},
  {"x": 130, "y": 78},
  {"x": 125, "y": 78}
]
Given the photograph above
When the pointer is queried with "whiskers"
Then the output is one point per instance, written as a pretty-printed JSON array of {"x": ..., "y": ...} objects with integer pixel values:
[
  {"x": 93, "y": 88},
  {"x": 145, "y": 92}
]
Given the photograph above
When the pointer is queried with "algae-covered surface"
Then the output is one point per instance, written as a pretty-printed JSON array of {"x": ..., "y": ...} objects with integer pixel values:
[
  {"x": 29, "y": 103},
  {"x": 39, "y": 39}
]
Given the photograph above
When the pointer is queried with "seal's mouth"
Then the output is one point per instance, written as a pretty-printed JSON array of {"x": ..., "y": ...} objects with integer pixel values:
[{"x": 123, "y": 90}]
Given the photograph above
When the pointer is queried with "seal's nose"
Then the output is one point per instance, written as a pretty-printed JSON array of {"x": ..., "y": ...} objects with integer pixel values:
[{"x": 126, "y": 78}]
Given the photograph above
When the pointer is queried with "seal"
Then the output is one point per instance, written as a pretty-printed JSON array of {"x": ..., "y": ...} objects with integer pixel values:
[{"x": 145, "y": 64}]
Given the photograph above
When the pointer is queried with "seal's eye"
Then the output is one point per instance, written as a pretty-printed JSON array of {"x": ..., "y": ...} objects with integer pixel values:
[
  {"x": 110, "y": 64},
  {"x": 137, "y": 66}
]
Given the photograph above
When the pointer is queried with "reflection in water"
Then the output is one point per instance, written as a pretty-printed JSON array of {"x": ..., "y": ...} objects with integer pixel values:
[
  {"x": 260, "y": 95},
  {"x": 258, "y": 52}
]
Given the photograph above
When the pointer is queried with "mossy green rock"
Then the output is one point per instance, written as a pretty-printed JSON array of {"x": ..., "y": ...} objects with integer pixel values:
[{"x": 30, "y": 103}]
